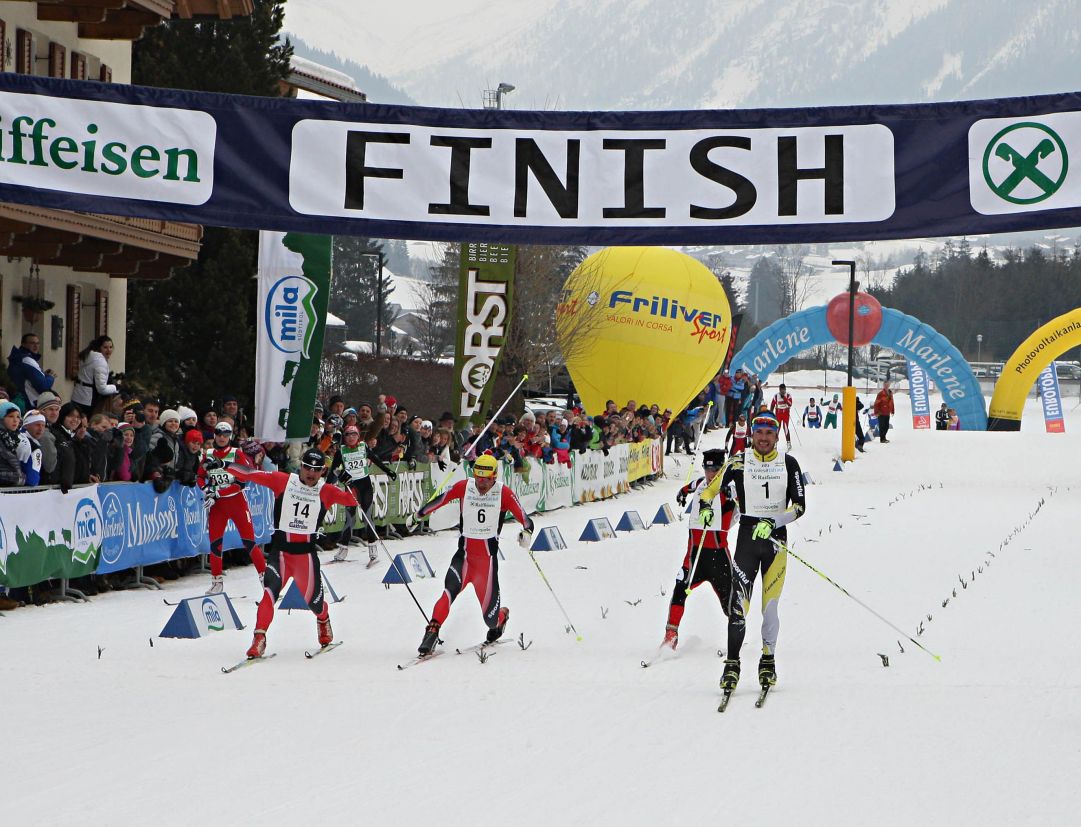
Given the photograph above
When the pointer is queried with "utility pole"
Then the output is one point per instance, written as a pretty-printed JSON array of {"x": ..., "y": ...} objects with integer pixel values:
[{"x": 848, "y": 413}]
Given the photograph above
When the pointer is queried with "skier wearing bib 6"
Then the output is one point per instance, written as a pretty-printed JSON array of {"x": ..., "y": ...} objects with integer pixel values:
[
  {"x": 769, "y": 490},
  {"x": 300, "y": 501},
  {"x": 483, "y": 502}
]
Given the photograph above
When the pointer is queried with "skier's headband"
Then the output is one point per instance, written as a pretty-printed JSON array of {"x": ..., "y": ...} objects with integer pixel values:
[{"x": 763, "y": 421}]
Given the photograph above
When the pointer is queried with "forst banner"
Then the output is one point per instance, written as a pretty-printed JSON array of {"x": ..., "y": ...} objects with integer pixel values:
[
  {"x": 294, "y": 288},
  {"x": 604, "y": 178},
  {"x": 485, "y": 299}
]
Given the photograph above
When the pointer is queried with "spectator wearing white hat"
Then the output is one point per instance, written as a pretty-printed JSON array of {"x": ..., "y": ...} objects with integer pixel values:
[
  {"x": 48, "y": 407},
  {"x": 33, "y": 428}
]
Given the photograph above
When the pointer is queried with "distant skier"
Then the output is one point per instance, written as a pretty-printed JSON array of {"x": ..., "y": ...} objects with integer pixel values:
[
  {"x": 483, "y": 502},
  {"x": 350, "y": 466},
  {"x": 781, "y": 405},
  {"x": 713, "y": 566},
  {"x": 832, "y": 407},
  {"x": 769, "y": 491},
  {"x": 301, "y": 500},
  {"x": 736, "y": 438},
  {"x": 812, "y": 415}
]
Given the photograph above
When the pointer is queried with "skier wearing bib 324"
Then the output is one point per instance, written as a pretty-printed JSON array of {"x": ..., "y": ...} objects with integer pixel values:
[
  {"x": 713, "y": 564},
  {"x": 350, "y": 466},
  {"x": 483, "y": 501},
  {"x": 300, "y": 501},
  {"x": 769, "y": 490}
]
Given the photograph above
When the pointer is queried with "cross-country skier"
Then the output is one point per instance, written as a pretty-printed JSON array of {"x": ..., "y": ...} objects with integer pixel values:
[
  {"x": 769, "y": 491},
  {"x": 832, "y": 407},
  {"x": 781, "y": 405},
  {"x": 736, "y": 438},
  {"x": 300, "y": 501},
  {"x": 224, "y": 498},
  {"x": 483, "y": 502},
  {"x": 350, "y": 466},
  {"x": 713, "y": 564},
  {"x": 812, "y": 415}
]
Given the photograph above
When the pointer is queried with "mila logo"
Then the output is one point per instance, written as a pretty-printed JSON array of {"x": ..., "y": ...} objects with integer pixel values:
[
  {"x": 213, "y": 617},
  {"x": 290, "y": 314}
]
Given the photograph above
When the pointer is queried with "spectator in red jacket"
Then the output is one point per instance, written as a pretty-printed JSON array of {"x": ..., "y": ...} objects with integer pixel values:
[{"x": 884, "y": 410}]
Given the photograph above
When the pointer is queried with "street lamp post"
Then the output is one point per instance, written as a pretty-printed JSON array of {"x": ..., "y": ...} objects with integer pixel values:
[
  {"x": 979, "y": 346},
  {"x": 853, "y": 286},
  {"x": 378, "y": 300},
  {"x": 848, "y": 410}
]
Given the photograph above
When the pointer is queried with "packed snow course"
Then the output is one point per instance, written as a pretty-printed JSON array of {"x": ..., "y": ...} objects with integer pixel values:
[{"x": 104, "y": 728}]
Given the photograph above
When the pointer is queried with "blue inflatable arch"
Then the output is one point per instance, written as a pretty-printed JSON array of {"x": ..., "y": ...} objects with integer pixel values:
[{"x": 920, "y": 343}]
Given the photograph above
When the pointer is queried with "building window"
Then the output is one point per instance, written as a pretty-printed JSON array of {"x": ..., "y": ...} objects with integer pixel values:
[
  {"x": 78, "y": 66},
  {"x": 101, "y": 313},
  {"x": 105, "y": 74},
  {"x": 58, "y": 56},
  {"x": 24, "y": 52},
  {"x": 71, "y": 345}
]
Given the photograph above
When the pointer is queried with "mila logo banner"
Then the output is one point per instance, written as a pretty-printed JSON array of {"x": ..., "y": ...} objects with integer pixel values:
[
  {"x": 290, "y": 315},
  {"x": 107, "y": 149},
  {"x": 593, "y": 178}
]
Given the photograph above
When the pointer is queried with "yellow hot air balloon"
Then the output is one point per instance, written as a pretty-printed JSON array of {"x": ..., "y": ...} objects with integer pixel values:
[{"x": 644, "y": 323}]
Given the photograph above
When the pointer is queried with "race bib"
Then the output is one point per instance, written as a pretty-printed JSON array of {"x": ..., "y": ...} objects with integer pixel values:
[
  {"x": 356, "y": 462},
  {"x": 301, "y": 505},
  {"x": 480, "y": 512},
  {"x": 765, "y": 485}
]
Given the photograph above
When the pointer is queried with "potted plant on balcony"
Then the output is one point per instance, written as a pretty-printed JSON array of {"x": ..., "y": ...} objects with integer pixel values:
[{"x": 34, "y": 307}]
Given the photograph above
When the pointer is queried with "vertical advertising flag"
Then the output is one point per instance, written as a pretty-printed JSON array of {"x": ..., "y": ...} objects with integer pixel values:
[
  {"x": 736, "y": 320},
  {"x": 1051, "y": 396},
  {"x": 294, "y": 287},
  {"x": 485, "y": 299},
  {"x": 918, "y": 393}
]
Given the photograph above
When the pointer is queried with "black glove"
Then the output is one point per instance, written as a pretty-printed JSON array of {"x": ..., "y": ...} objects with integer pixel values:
[
  {"x": 213, "y": 464},
  {"x": 442, "y": 465},
  {"x": 681, "y": 497},
  {"x": 161, "y": 485},
  {"x": 412, "y": 465},
  {"x": 393, "y": 476}
]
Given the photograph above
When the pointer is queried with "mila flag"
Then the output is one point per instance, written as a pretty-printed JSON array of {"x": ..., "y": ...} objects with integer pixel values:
[
  {"x": 712, "y": 176},
  {"x": 294, "y": 287},
  {"x": 918, "y": 393},
  {"x": 485, "y": 299},
  {"x": 1053, "y": 419}
]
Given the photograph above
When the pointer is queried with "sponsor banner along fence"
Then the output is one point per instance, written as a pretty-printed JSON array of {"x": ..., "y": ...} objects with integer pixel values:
[
  {"x": 1053, "y": 419},
  {"x": 605, "y": 178},
  {"x": 116, "y": 526},
  {"x": 919, "y": 393}
]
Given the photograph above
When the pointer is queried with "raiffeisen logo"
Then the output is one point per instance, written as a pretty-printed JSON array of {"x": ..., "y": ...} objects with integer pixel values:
[
  {"x": 110, "y": 149},
  {"x": 290, "y": 314},
  {"x": 704, "y": 323}
]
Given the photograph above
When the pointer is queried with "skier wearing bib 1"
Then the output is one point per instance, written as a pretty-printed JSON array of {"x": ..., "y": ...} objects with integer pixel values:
[
  {"x": 769, "y": 490},
  {"x": 350, "y": 464},
  {"x": 300, "y": 501},
  {"x": 713, "y": 564},
  {"x": 483, "y": 501},
  {"x": 224, "y": 498}
]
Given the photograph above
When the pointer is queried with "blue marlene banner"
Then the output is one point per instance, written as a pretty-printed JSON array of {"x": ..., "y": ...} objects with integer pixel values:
[{"x": 692, "y": 177}]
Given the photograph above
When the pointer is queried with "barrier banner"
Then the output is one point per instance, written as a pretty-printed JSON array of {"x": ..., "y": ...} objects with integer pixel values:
[
  {"x": 710, "y": 176},
  {"x": 1051, "y": 395},
  {"x": 640, "y": 460},
  {"x": 294, "y": 288},
  {"x": 598, "y": 477},
  {"x": 485, "y": 299},
  {"x": 46, "y": 534},
  {"x": 397, "y": 500},
  {"x": 558, "y": 487},
  {"x": 919, "y": 395}
]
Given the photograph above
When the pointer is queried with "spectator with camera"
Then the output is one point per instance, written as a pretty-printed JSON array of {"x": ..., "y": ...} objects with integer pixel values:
[{"x": 93, "y": 390}]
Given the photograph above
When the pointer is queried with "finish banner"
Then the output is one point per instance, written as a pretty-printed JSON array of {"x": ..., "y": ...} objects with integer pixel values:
[
  {"x": 918, "y": 393},
  {"x": 1051, "y": 395},
  {"x": 764, "y": 176},
  {"x": 294, "y": 288},
  {"x": 485, "y": 299}
]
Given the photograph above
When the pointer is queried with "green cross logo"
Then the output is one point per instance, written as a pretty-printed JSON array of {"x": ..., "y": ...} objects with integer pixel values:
[{"x": 1036, "y": 163}]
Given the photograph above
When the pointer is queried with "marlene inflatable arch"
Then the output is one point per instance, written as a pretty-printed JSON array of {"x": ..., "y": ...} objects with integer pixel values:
[
  {"x": 920, "y": 343},
  {"x": 1021, "y": 370}
]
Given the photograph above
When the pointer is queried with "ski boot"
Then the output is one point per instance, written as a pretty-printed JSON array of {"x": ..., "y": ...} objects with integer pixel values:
[
  {"x": 500, "y": 621},
  {"x": 372, "y": 554},
  {"x": 326, "y": 634},
  {"x": 341, "y": 553},
  {"x": 671, "y": 636},
  {"x": 217, "y": 585},
  {"x": 767, "y": 671},
  {"x": 731, "y": 675},
  {"x": 258, "y": 644},
  {"x": 431, "y": 638}
]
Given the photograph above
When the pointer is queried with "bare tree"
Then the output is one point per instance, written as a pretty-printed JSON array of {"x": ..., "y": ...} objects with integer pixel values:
[{"x": 796, "y": 277}]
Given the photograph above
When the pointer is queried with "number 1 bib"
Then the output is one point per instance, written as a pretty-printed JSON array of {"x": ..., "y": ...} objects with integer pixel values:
[{"x": 765, "y": 485}]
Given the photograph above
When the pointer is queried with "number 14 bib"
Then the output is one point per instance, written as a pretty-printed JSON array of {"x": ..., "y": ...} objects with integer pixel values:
[{"x": 301, "y": 505}]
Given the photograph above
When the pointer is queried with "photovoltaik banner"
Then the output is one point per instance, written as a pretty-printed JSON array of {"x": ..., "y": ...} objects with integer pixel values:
[
  {"x": 294, "y": 287},
  {"x": 485, "y": 300},
  {"x": 709, "y": 176}
]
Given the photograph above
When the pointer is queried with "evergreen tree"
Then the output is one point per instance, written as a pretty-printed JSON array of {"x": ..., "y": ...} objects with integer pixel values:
[
  {"x": 354, "y": 290},
  {"x": 191, "y": 337}
]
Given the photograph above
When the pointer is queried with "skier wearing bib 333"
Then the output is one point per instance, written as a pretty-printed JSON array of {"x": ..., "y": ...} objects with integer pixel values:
[
  {"x": 769, "y": 490},
  {"x": 483, "y": 502},
  {"x": 300, "y": 501},
  {"x": 712, "y": 566}
]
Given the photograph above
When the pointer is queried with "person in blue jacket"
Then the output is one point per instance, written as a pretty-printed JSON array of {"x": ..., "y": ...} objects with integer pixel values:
[{"x": 24, "y": 368}]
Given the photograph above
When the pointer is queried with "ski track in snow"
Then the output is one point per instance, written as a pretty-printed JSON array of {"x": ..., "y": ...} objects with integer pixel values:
[{"x": 574, "y": 733}]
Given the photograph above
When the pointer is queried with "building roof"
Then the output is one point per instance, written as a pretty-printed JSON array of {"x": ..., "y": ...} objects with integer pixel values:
[{"x": 321, "y": 80}]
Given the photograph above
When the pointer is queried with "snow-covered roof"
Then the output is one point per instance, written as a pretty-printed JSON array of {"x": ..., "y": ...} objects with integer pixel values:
[
  {"x": 334, "y": 321},
  {"x": 359, "y": 346},
  {"x": 313, "y": 77},
  {"x": 409, "y": 293}
]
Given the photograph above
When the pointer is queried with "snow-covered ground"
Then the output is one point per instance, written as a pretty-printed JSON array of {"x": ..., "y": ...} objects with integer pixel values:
[{"x": 570, "y": 733}]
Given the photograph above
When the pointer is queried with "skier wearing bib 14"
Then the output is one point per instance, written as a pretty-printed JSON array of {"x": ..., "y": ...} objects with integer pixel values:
[
  {"x": 300, "y": 501},
  {"x": 769, "y": 490},
  {"x": 483, "y": 501}
]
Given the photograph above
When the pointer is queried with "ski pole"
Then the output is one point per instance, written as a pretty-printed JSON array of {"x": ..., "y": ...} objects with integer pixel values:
[
  {"x": 697, "y": 447},
  {"x": 786, "y": 549},
  {"x": 549, "y": 585},
  {"x": 393, "y": 561},
  {"x": 473, "y": 448}
]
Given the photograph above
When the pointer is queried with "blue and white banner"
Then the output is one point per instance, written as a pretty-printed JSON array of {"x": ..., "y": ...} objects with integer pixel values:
[
  {"x": 685, "y": 177},
  {"x": 1051, "y": 395},
  {"x": 918, "y": 393}
]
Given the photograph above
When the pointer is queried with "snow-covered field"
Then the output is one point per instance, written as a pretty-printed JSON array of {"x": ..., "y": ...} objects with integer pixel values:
[{"x": 569, "y": 733}]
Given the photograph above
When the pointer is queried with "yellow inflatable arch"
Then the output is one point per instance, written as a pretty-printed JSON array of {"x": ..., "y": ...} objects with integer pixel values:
[{"x": 1025, "y": 365}]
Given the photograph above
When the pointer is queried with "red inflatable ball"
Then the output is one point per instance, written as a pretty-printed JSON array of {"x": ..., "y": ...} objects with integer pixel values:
[{"x": 865, "y": 323}]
